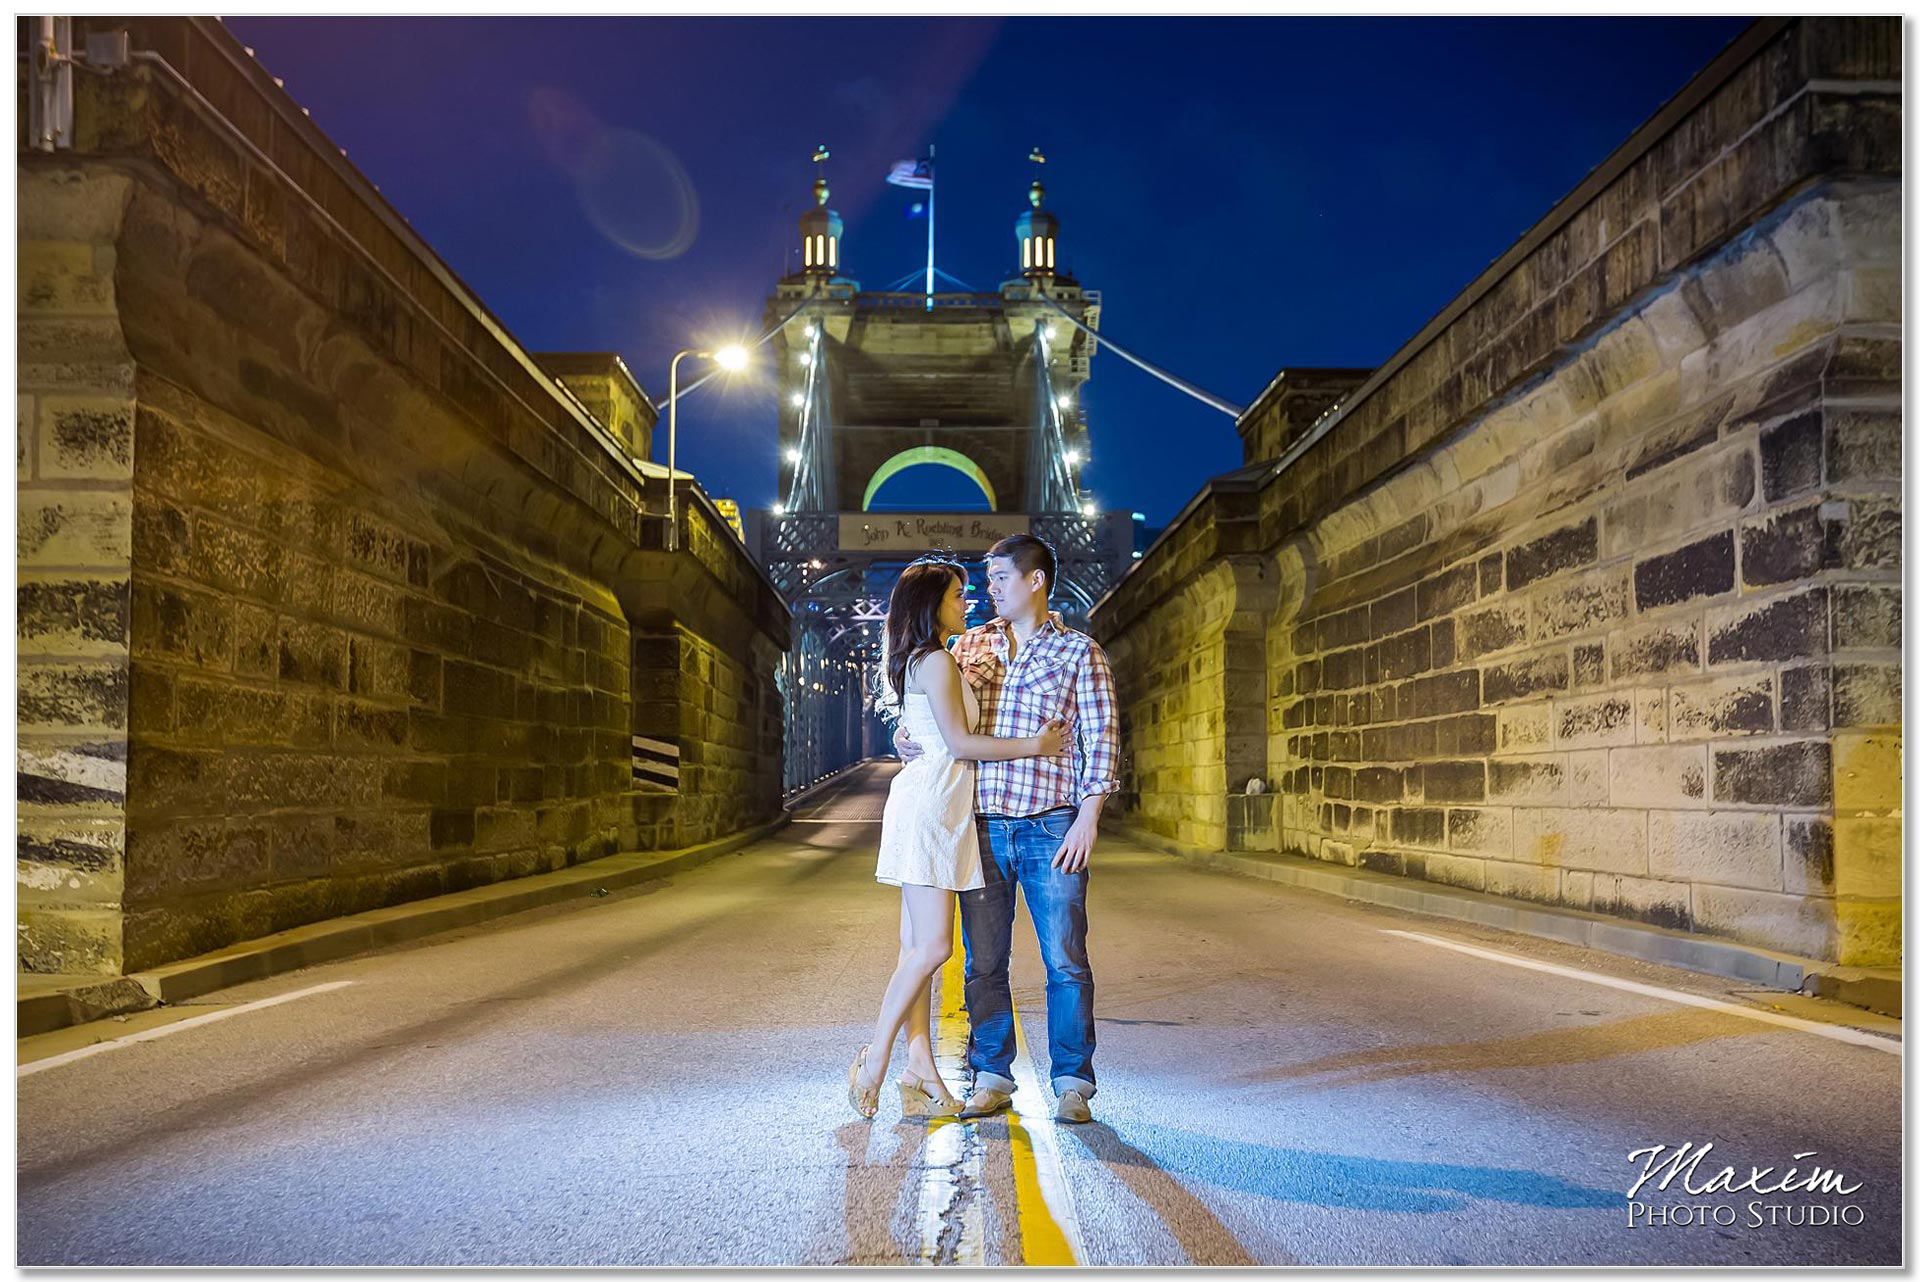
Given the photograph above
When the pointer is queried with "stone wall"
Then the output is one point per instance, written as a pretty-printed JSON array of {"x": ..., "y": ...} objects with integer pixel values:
[
  {"x": 357, "y": 595},
  {"x": 1591, "y": 595}
]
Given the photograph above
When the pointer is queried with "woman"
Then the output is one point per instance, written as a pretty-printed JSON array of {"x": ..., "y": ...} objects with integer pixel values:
[{"x": 928, "y": 845}]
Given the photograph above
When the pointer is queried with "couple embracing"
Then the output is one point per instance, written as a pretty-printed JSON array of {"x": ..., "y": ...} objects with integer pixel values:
[{"x": 1011, "y": 748}]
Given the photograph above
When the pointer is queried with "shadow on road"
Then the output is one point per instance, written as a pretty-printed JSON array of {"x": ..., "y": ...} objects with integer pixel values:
[
  {"x": 1150, "y": 1157},
  {"x": 1196, "y": 1228}
]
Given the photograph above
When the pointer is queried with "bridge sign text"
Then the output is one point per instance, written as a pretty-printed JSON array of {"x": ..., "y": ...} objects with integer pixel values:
[{"x": 923, "y": 532}]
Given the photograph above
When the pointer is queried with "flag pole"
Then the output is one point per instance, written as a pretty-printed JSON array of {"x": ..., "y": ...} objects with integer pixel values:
[{"x": 932, "y": 181}]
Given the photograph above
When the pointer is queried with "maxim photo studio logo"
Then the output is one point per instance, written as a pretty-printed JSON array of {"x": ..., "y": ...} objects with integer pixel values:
[{"x": 1798, "y": 1197}]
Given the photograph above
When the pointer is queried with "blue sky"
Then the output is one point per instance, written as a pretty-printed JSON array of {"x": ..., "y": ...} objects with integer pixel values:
[{"x": 1246, "y": 193}]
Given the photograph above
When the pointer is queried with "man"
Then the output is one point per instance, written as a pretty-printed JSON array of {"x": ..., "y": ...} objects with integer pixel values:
[{"x": 1040, "y": 817}]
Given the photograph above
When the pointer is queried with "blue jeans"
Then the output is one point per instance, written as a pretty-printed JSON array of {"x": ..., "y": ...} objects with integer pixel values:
[{"x": 1020, "y": 852}]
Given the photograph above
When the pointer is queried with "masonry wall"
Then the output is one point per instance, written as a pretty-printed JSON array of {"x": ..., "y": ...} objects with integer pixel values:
[
  {"x": 309, "y": 546},
  {"x": 1593, "y": 599}
]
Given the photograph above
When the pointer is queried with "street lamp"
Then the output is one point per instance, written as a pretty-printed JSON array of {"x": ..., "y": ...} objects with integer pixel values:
[{"x": 731, "y": 357}]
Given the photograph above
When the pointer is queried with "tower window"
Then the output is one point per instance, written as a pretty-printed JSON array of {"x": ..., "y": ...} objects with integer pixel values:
[
  {"x": 833, "y": 251},
  {"x": 1049, "y": 253},
  {"x": 1026, "y": 253},
  {"x": 809, "y": 251}
]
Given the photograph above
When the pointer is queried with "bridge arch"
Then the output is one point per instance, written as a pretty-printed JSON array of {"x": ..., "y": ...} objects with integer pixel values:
[{"x": 936, "y": 454}]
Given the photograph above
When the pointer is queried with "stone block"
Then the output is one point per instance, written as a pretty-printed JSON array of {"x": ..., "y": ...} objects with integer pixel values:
[
  {"x": 1486, "y": 832},
  {"x": 1446, "y": 592},
  {"x": 1863, "y": 445},
  {"x": 1445, "y": 781},
  {"x": 1566, "y": 548},
  {"x": 1786, "y": 776},
  {"x": 1782, "y": 547},
  {"x": 1596, "y": 840},
  {"x": 1653, "y": 900},
  {"x": 1700, "y": 569},
  {"x": 1790, "y": 455},
  {"x": 1866, "y": 771},
  {"x": 1585, "y": 603},
  {"x": 72, "y": 614},
  {"x": 1793, "y": 924},
  {"x": 1729, "y": 848},
  {"x": 74, "y": 529},
  {"x": 1526, "y": 728},
  {"x": 1394, "y": 613},
  {"x": 1650, "y": 715},
  {"x": 1593, "y": 721},
  {"x": 1866, "y": 857},
  {"x": 1590, "y": 663},
  {"x": 1655, "y": 649},
  {"x": 1806, "y": 698},
  {"x": 1519, "y": 678},
  {"x": 1488, "y": 631},
  {"x": 1521, "y": 881},
  {"x": 1863, "y": 534},
  {"x": 86, "y": 695},
  {"x": 1688, "y": 496},
  {"x": 1417, "y": 826},
  {"x": 86, "y": 438},
  {"x": 1866, "y": 617},
  {"x": 1777, "y": 629},
  {"x": 60, "y": 277},
  {"x": 1650, "y": 776},
  {"x": 1721, "y": 708},
  {"x": 1866, "y": 694},
  {"x": 1808, "y": 861},
  {"x": 1869, "y": 931}
]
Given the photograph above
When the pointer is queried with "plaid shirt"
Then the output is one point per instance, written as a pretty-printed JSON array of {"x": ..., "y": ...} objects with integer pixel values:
[{"x": 1058, "y": 673}]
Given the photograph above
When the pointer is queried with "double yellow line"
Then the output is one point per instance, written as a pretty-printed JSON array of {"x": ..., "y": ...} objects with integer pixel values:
[{"x": 1044, "y": 1243}]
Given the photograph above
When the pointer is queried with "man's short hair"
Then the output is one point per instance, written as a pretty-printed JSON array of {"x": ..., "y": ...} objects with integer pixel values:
[{"x": 1028, "y": 554}]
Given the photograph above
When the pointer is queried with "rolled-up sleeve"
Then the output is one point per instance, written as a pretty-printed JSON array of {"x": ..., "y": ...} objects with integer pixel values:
[{"x": 1097, "y": 725}]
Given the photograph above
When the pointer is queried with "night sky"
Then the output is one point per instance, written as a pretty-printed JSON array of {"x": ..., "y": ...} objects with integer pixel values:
[{"x": 1247, "y": 193}]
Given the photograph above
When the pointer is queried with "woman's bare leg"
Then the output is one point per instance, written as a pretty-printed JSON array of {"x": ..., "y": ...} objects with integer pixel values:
[
  {"x": 920, "y": 1018},
  {"x": 928, "y": 945}
]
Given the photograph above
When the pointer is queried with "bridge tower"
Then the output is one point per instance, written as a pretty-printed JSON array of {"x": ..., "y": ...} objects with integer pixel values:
[{"x": 874, "y": 382}]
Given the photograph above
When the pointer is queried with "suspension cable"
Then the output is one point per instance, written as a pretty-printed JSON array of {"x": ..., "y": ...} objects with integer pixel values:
[{"x": 1198, "y": 393}]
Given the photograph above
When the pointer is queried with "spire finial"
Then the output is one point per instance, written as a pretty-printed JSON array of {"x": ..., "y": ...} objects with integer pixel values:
[
  {"x": 820, "y": 189},
  {"x": 1036, "y": 193}
]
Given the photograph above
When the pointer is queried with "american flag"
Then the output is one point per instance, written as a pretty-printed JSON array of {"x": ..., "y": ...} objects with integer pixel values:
[{"x": 911, "y": 173}]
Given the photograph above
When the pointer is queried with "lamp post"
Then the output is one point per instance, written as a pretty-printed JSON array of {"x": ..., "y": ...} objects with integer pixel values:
[{"x": 730, "y": 358}]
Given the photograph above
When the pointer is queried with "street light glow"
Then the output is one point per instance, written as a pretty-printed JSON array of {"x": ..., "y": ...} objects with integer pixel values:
[
  {"x": 732, "y": 356},
  {"x": 779, "y": 509},
  {"x": 806, "y": 360},
  {"x": 1088, "y": 510},
  {"x": 1073, "y": 458},
  {"x": 793, "y": 454},
  {"x": 1064, "y": 401},
  {"x": 798, "y": 399}
]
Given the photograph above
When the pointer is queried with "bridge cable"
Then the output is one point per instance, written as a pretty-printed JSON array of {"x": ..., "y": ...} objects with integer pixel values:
[{"x": 1198, "y": 393}]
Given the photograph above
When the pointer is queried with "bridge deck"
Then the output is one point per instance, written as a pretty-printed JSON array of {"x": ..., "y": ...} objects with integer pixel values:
[{"x": 655, "y": 1077}]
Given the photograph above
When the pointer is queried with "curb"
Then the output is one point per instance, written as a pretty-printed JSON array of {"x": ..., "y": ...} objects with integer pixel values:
[
  {"x": 92, "y": 997},
  {"x": 1872, "y": 989}
]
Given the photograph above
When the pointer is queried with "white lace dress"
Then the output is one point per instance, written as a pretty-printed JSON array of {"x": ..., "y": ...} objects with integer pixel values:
[{"x": 927, "y": 837}]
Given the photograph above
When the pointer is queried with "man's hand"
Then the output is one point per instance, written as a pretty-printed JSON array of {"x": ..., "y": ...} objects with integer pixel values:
[
  {"x": 1076, "y": 848},
  {"x": 904, "y": 745}
]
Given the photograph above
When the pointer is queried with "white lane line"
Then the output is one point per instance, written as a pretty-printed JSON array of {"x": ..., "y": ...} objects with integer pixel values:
[
  {"x": 67, "y": 1057},
  {"x": 1891, "y": 1045}
]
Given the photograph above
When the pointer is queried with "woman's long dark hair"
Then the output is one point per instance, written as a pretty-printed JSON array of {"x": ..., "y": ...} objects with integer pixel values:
[{"x": 913, "y": 616}]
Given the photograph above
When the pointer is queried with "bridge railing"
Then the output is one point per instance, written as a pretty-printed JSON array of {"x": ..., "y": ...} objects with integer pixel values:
[{"x": 918, "y": 302}]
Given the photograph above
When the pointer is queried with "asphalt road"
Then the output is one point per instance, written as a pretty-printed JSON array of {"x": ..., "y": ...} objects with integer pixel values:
[{"x": 657, "y": 1077}]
